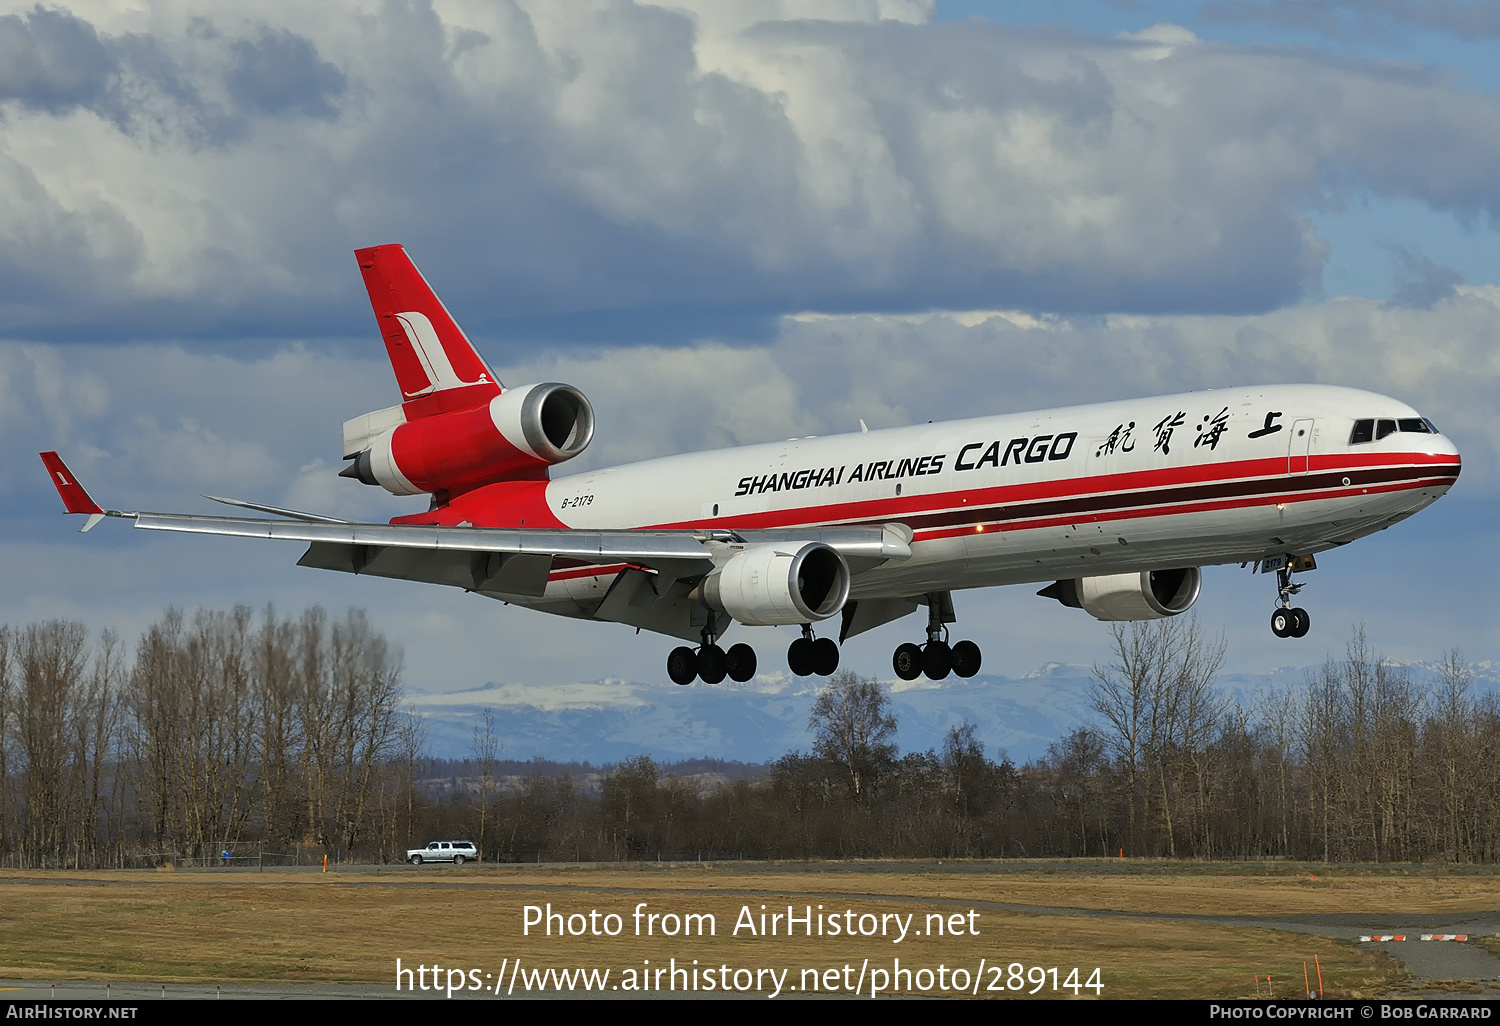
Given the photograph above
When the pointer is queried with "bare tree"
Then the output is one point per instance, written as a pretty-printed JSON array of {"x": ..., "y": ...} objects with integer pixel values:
[
  {"x": 629, "y": 804},
  {"x": 486, "y": 749},
  {"x": 853, "y": 728},
  {"x": 1157, "y": 699},
  {"x": 95, "y": 724},
  {"x": 411, "y": 742},
  {"x": 1277, "y": 713},
  {"x": 152, "y": 727},
  {"x": 1455, "y": 741},
  {"x": 52, "y": 667},
  {"x": 366, "y": 690},
  {"x": 278, "y": 728},
  {"x": 7, "y": 722}
]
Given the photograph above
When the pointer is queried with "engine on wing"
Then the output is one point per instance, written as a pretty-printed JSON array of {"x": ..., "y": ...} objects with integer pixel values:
[
  {"x": 1148, "y": 595},
  {"x": 770, "y": 585},
  {"x": 516, "y": 434}
]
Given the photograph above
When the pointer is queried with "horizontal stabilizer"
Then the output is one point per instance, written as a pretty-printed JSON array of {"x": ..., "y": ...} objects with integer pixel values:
[{"x": 290, "y": 514}]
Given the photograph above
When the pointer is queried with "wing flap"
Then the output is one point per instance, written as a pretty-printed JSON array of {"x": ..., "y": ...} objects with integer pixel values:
[
  {"x": 653, "y": 602},
  {"x": 492, "y": 573}
]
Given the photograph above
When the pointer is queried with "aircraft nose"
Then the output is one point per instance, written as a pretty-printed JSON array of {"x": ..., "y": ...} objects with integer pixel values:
[
  {"x": 1446, "y": 450},
  {"x": 1444, "y": 446}
]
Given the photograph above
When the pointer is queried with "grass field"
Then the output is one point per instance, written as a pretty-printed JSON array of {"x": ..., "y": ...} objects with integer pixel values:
[{"x": 351, "y": 925}]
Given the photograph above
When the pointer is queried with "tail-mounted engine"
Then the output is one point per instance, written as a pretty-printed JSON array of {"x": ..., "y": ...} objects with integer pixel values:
[
  {"x": 770, "y": 585},
  {"x": 1148, "y": 595},
  {"x": 517, "y": 434}
]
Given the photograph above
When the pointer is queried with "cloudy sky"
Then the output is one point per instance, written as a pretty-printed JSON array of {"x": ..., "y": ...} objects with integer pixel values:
[{"x": 728, "y": 222}]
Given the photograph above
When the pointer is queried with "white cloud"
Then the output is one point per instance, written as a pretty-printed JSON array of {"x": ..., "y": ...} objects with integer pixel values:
[
  {"x": 826, "y": 372},
  {"x": 549, "y": 158},
  {"x": 174, "y": 422}
]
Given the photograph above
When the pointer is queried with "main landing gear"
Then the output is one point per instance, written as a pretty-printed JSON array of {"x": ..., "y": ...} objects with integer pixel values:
[
  {"x": 710, "y": 662},
  {"x": 809, "y": 655},
  {"x": 937, "y": 658},
  {"x": 1289, "y": 621}
]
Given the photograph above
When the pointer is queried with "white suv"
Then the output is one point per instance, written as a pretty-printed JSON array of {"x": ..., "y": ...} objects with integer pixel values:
[{"x": 456, "y": 852}]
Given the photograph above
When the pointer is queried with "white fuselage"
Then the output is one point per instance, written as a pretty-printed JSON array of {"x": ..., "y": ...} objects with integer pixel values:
[{"x": 1202, "y": 478}]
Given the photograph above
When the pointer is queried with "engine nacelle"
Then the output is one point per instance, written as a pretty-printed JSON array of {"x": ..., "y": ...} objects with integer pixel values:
[
  {"x": 772, "y": 585},
  {"x": 519, "y": 431},
  {"x": 1148, "y": 595}
]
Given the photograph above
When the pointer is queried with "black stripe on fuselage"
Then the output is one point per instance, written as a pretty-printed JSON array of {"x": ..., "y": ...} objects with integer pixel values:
[{"x": 1147, "y": 497}]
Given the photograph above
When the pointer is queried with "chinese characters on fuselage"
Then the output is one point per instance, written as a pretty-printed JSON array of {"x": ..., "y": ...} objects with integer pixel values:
[{"x": 1209, "y": 431}]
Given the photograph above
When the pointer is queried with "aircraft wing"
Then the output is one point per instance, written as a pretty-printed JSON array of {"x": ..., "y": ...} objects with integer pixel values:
[
  {"x": 502, "y": 560},
  {"x": 517, "y": 560},
  {"x": 499, "y": 561}
]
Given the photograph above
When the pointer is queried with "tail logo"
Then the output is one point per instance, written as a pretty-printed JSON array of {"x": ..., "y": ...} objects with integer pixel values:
[{"x": 432, "y": 356}]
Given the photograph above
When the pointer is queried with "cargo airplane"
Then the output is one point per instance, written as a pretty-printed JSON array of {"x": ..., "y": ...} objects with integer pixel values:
[{"x": 1113, "y": 506}]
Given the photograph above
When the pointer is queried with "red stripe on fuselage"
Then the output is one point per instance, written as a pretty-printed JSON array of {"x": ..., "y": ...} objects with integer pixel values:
[
  {"x": 1108, "y": 497},
  {"x": 569, "y": 569},
  {"x": 1267, "y": 478},
  {"x": 1146, "y": 512}
]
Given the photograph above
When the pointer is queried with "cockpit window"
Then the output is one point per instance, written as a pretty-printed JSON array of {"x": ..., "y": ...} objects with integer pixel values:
[
  {"x": 1370, "y": 430},
  {"x": 1431, "y": 425}
]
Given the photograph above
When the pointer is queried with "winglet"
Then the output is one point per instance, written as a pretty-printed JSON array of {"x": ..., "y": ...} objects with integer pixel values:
[{"x": 74, "y": 496}]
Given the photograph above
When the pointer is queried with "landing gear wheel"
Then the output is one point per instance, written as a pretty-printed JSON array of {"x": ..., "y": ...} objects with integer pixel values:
[
  {"x": 937, "y": 660},
  {"x": 1302, "y": 624},
  {"x": 740, "y": 662},
  {"x": 682, "y": 665},
  {"x": 966, "y": 658},
  {"x": 1282, "y": 622},
  {"x": 907, "y": 661},
  {"x": 825, "y": 656},
  {"x": 415, "y": 860},
  {"x": 711, "y": 664},
  {"x": 799, "y": 657}
]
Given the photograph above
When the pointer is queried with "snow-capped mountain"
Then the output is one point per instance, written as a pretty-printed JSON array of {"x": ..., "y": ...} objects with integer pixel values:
[{"x": 604, "y": 721}]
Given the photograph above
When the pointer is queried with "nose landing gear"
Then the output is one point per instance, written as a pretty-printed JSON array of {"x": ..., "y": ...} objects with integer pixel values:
[
  {"x": 1290, "y": 621},
  {"x": 937, "y": 658}
]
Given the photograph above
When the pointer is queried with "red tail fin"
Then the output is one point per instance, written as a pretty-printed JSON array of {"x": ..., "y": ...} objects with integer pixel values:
[{"x": 436, "y": 365}]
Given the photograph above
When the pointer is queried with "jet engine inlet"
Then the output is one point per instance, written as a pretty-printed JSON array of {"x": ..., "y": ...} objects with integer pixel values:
[
  {"x": 556, "y": 420},
  {"x": 769, "y": 585},
  {"x": 1148, "y": 595},
  {"x": 515, "y": 434}
]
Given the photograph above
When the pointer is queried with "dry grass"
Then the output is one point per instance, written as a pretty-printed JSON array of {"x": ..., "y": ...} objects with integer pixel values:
[{"x": 353, "y": 925}]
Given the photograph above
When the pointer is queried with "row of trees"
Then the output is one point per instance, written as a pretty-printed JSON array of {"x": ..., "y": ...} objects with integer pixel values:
[
  {"x": 225, "y": 728},
  {"x": 221, "y": 727},
  {"x": 1360, "y": 765}
]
